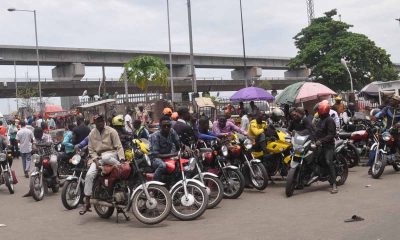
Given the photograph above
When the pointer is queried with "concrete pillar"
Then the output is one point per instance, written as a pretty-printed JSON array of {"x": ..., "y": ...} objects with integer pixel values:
[
  {"x": 297, "y": 73},
  {"x": 73, "y": 71},
  {"x": 181, "y": 71},
  {"x": 69, "y": 102},
  {"x": 251, "y": 73}
]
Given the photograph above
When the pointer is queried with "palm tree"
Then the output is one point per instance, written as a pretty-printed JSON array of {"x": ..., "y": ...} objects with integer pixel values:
[{"x": 144, "y": 70}]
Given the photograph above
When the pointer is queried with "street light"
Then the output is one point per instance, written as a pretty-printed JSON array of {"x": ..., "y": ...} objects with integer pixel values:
[
  {"x": 344, "y": 63},
  {"x": 37, "y": 53},
  {"x": 170, "y": 57},
  {"x": 191, "y": 48},
  {"x": 244, "y": 48}
]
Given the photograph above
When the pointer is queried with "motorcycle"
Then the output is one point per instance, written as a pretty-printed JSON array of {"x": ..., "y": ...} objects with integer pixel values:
[
  {"x": 7, "y": 176},
  {"x": 42, "y": 177},
  {"x": 124, "y": 187},
  {"x": 384, "y": 147},
  {"x": 253, "y": 170},
  {"x": 72, "y": 191},
  {"x": 305, "y": 167},
  {"x": 214, "y": 186},
  {"x": 217, "y": 162},
  {"x": 277, "y": 159},
  {"x": 189, "y": 196}
]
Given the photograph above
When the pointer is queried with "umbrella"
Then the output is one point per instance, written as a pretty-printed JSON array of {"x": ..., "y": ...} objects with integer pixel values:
[
  {"x": 252, "y": 94},
  {"x": 53, "y": 108},
  {"x": 371, "y": 90},
  {"x": 303, "y": 92}
]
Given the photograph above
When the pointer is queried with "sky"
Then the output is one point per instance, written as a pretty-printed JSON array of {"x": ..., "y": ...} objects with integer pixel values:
[{"x": 269, "y": 27}]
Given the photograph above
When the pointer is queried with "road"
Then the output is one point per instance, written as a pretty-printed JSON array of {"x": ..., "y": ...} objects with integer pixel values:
[{"x": 312, "y": 213}]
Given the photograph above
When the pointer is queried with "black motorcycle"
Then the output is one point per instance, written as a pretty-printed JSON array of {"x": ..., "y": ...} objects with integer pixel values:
[
  {"x": 306, "y": 167},
  {"x": 6, "y": 174}
]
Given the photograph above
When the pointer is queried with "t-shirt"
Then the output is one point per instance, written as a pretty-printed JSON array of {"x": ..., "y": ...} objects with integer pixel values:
[
  {"x": 127, "y": 119},
  {"x": 3, "y": 131},
  {"x": 25, "y": 138}
]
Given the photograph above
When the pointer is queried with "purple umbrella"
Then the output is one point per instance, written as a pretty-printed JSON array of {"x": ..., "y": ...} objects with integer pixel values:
[{"x": 251, "y": 94}]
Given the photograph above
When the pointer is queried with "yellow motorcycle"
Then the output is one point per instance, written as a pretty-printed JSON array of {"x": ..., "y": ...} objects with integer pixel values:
[{"x": 278, "y": 155}]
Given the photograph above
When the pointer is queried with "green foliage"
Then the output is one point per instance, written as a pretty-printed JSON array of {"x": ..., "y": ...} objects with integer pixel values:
[
  {"x": 265, "y": 84},
  {"x": 325, "y": 41},
  {"x": 145, "y": 70},
  {"x": 27, "y": 92}
]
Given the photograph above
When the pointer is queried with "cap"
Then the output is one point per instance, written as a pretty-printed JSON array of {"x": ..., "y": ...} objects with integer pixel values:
[
  {"x": 338, "y": 98},
  {"x": 98, "y": 116}
]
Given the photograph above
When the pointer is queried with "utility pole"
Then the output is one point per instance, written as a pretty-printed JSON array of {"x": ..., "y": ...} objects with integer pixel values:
[
  {"x": 193, "y": 73},
  {"x": 310, "y": 10},
  {"x": 398, "y": 19}
]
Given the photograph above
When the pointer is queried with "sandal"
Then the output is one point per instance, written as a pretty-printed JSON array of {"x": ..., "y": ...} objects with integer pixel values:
[{"x": 354, "y": 218}]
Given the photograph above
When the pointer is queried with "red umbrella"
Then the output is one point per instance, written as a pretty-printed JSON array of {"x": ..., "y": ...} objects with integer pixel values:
[{"x": 53, "y": 108}]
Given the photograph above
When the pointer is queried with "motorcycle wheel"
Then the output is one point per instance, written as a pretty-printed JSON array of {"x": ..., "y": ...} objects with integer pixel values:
[
  {"x": 291, "y": 181},
  {"x": 215, "y": 190},
  {"x": 196, "y": 204},
  {"x": 342, "y": 170},
  {"x": 37, "y": 189},
  {"x": 102, "y": 211},
  {"x": 234, "y": 184},
  {"x": 154, "y": 210},
  {"x": 378, "y": 167},
  {"x": 8, "y": 181},
  {"x": 260, "y": 180},
  {"x": 353, "y": 158},
  {"x": 396, "y": 166},
  {"x": 68, "y": 198}
]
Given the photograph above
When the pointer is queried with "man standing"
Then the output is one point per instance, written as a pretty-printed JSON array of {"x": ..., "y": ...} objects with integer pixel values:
[
  {"x": 12, "y": 133},
  {"x": 142, "y": 115},
  {"x": 102, "y": 140},
  {"x": 25, "y": 138},
  {"x": 128, "y": 121}
]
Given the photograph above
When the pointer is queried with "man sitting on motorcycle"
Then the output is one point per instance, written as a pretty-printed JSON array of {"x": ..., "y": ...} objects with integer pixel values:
[
  {"x": 164, "y": 141},
  {"x": 223, "y": 128},
  {"x": 204, "y": 129},
  {"x": 325, "y": 132},
  {"x": 102, "y": 140},
  {"x": 300, "y": 123},
  {"x": 257, "y": 132},
  {"x": 183, "y": 128},
  {"x": 44, "y": 138}
]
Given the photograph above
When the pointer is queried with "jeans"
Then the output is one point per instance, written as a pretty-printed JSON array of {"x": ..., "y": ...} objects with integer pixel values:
[
  {"x": 160, "y": 169},
  {"x": 261, "y": 143},
  {"x": 92, "y": 172},
  {"x": 26, "y": 161},
  {"x": 327, "y": 155},
  {"x": 371, "y": 158}
]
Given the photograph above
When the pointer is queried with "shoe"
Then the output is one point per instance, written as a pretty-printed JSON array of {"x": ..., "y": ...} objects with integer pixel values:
[
  {"x": 354, "y": 218},
  {"x": 28, "y": 194},
  {"x": 86, "y": 207},
  {"x": 370, "y": 171},
  {"x": 334, "y": 189},
  {"x": 26, "y": 174}
]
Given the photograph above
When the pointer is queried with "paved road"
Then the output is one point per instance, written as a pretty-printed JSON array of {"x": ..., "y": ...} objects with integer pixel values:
[{"x": 310, "y": 214}]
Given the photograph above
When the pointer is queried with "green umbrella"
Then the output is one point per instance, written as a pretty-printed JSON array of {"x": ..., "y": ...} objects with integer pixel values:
[{"x": 288, "y": 95}]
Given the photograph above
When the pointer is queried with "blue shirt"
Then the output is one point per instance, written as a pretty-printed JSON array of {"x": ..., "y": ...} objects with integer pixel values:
[{"x": 67, "y": 142}]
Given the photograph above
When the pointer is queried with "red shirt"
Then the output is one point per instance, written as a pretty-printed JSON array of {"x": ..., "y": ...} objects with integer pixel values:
[{"x": 3, "y": 131}]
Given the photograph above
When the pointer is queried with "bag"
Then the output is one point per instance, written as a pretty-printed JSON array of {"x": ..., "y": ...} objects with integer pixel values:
[{"x": 14, "y": 177}]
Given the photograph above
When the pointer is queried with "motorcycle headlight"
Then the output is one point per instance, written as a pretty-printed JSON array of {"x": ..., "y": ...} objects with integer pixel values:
[
  {"x": 224, "y": 151},
  {"x": 386, "y": 136},
  {"x": 35, "y": 158},
  {"x": 191, "y": 165},
  {"x": 3, "y": 157},
  {"x": 75, "y": 159},
  {"x": 298, "y": 149},
  {"x": 248, "y": 144},
  {"x": 288, "y": 139}
]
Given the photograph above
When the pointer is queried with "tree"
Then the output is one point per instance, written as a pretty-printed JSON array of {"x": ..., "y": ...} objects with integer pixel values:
[
  {"x": 145, "y": 70},
  {"x": 325, "y": 41}
]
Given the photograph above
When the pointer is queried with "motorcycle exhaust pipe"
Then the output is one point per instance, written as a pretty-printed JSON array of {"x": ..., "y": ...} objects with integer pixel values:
[{"x": 105, "y": 204}]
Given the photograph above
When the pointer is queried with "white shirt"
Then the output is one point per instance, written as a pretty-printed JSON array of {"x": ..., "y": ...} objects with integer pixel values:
[
  {"x": 25, "y": 138},
  {"x": 335, "y": 117},
  {"x": 244, "y": 124},
  {"x": 127, "y": 119},
  {"x": 39, "y": 122}
]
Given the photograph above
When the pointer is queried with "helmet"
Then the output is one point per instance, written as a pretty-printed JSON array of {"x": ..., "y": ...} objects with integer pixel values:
[
  {"x": 338, "y": 98},
  {"x": 323, "y": 108},
  {"x": 374, "y": 111},
  {"x": 174, "y": 116},
  {"x": 277, "y": 114},
  {"x": 351, "y": 106},
  {"x": 167, "y": 111},
  {"x": 118, "y": 121}
]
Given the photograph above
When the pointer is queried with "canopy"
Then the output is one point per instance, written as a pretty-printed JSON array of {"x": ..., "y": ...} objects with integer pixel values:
[
  {"x": 94, "y": 104},
  {"x": 370, "y": 90},
  {"x": 252, "y": 94},
  {"x": 303, "y": 92},
  {"x": 53, "y": 108},
  {"x": 204, "y": 102}
]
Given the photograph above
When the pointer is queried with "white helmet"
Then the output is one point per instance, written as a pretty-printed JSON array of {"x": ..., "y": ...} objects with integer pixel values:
[{"x": 277, "y": 114}]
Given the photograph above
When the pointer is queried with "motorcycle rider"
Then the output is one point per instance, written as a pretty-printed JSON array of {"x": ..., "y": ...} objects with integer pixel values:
[
  {"x": 257, "y": 132},
  {"x": 44, "y": 138},
  {"x": 223, "y": 128},
  {"x": 183, "y": 128},
  {"x": 338, "y": 106},
  {"x": 203, "y": 129},
  {"x": 140, "y": 131},
  {"x": 325, "y": 132},
  {"x": 300, "y": 123},
  {"x": 349, "y": 113},
  {"x": 102, "y": 140},
  {"x": 163, "y": 141}
]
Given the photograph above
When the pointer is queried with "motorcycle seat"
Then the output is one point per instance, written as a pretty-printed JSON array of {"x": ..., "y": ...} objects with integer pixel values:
[
  {"x": 344, "y": 135},
  {"x": 338, "y": 143}
]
